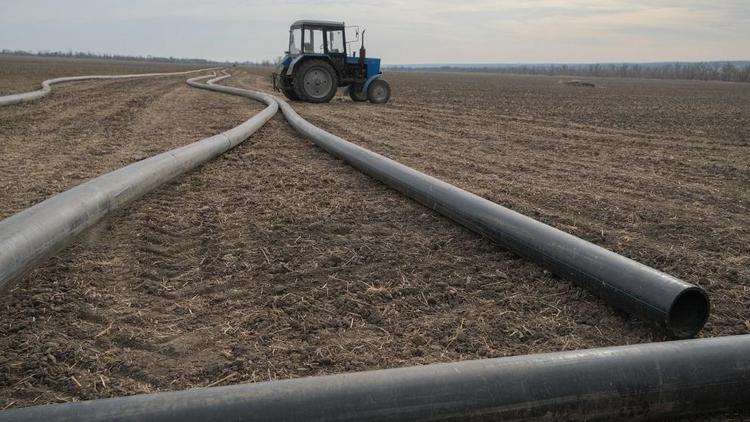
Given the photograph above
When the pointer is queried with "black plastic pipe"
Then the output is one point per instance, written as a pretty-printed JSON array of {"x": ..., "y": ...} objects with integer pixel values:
[
  {"x": 644, "y": 381},
  {"x": 682, "y": 308}
]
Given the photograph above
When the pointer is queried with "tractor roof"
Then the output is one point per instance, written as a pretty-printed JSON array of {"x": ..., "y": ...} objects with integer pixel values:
[{"x": 312, "y": 22}]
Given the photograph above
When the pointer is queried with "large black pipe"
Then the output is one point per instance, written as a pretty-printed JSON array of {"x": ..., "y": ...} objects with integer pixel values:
[
  {"x": 644, "y": 381},
  {"x": 682, "y": 308}
]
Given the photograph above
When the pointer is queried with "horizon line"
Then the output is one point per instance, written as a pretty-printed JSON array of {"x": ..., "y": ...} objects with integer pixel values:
[{"x": 42, "y": 53}]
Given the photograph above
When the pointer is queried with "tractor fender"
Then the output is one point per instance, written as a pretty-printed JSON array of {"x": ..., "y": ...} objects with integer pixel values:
[
  {"x": 299, "y": 59},
  {"x": 290, "y": 66},
  {"x": 367, "y": 83}
]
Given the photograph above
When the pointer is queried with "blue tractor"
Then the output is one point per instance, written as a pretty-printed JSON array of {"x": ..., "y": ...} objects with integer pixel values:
[{"x": 317, "y": 64}]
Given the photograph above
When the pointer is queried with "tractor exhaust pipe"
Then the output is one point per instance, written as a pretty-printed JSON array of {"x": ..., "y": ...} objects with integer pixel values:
[
  {"x": 362, "y": 52},
  {"x": 682, "y": 308},
  {"x": 644, "y": 381}
]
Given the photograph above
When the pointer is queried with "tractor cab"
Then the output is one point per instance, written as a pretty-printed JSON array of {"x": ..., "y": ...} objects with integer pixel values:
[
  {"x": 320, "y": 37},
  {"x": 317, "y": 63}
]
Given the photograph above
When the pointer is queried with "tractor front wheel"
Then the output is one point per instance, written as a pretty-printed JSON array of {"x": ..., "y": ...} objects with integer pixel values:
[
  {"x": 355, "y": 91},
  {"x": 290, "y": 94},
  {"x": 315, "y": 81},
  {"x": 379, "y": 91}
]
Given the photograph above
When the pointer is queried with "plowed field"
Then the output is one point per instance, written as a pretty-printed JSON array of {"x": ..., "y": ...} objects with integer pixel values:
[{"x": 277, "y": 260}]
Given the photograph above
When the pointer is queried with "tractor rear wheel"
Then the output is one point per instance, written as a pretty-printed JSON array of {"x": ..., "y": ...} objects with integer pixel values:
[
  {"x": 379, "y": 91},
  {"x": 355, "y": 92},
  {"x": 290, "y": 94},
  {"x": 315, "y": 81}
]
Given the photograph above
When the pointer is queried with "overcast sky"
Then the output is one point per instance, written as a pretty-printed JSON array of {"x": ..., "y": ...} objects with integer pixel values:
[{"x": 399, "y": 31}]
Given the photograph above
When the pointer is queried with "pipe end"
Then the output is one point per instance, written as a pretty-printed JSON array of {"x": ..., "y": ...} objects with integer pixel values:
[{"x": 688, "y": 313}]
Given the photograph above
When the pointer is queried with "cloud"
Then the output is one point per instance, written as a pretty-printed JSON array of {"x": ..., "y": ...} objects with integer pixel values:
[{"x": 400, "y": 31}]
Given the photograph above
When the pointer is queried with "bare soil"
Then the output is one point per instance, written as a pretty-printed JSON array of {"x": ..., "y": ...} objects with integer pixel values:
[
  {"x": 26, "y": 73},
  {"x": 277, "y": 260}
]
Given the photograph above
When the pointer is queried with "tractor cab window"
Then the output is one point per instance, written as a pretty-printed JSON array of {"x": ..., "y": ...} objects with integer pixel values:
[
  {"x": 314, "y": 41},
  {"x": 295, "y": 41},
  {"x": 335, "y": 41}
]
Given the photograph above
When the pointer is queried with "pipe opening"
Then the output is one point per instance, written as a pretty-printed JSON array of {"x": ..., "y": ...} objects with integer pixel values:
[{"x": 688, "y": 313}]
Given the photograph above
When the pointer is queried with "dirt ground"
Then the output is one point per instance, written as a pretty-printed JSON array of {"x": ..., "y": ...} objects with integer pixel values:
[
  {"x": 278, "y": 261},
  {"x": 26, "y": 73}
]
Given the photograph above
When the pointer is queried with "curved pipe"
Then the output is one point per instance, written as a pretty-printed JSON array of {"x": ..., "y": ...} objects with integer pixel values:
[
  {"x": 682, "y": 308},
  {"x": 47, "y": 85},
  {"x": 30, "y": 236},
  {"x": 644, "y": 381}
]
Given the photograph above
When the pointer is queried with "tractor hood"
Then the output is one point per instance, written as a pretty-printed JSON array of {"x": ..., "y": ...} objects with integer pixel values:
[{"x": 372, "y": 63}]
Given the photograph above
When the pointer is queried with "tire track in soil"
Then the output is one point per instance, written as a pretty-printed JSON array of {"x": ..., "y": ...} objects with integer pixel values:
[
  {"x": 83, "y": 286},
  {"x": 38, "y": 140}
]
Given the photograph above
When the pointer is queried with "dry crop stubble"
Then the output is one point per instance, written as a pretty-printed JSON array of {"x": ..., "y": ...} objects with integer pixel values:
[{"x": 280, "y": 261}]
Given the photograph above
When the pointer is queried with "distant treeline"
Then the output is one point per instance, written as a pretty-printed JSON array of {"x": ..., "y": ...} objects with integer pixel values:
[
  {"x": 124, "y": 57},
  {"x": 720, "y": 71}
]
